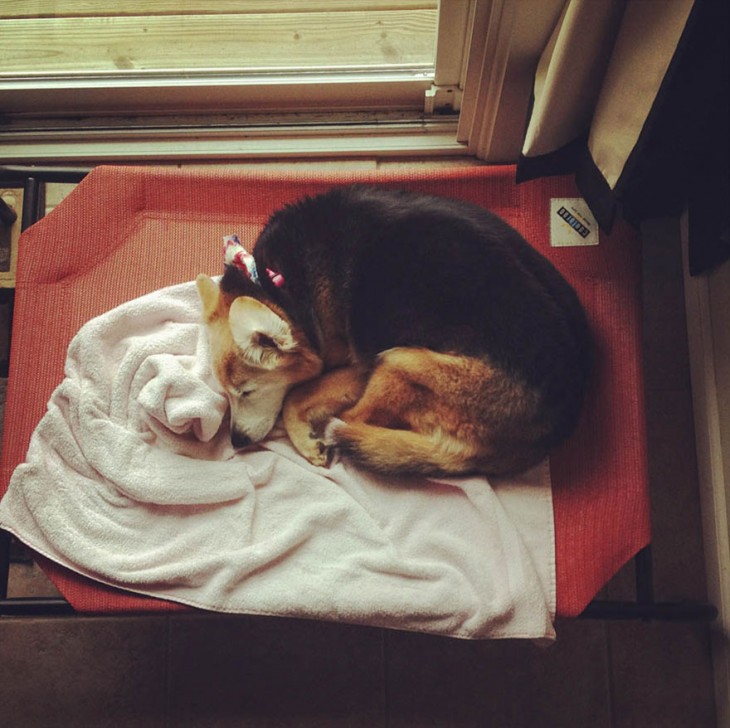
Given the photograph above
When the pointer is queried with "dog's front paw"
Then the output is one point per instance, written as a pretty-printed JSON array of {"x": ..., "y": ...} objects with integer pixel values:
[
  {"x": 317, "y": 448},
  {"x": 319, "y": 453},
  {"x": 321, "y": 448},
  {"x": 308, "y": 439}
]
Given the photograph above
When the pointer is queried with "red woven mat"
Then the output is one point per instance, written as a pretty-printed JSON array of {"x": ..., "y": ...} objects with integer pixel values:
[{"x": 127, "y": 231}]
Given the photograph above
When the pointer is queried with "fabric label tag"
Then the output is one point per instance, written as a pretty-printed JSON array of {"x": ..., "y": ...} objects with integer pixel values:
[{"x": 571, "y": 223}]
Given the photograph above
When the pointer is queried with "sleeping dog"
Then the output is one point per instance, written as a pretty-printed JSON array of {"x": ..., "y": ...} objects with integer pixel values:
[{"x": 413, "y": 333}]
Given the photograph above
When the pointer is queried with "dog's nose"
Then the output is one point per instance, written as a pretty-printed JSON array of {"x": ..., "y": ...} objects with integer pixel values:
[{"x": 239, "y": 439}]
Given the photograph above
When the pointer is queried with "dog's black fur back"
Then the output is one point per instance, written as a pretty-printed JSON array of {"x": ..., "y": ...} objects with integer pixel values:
[{"x": 408, "y": 269}]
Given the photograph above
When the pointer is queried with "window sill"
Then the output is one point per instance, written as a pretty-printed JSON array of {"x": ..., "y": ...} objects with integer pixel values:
[{"x": 344, "y": 136}]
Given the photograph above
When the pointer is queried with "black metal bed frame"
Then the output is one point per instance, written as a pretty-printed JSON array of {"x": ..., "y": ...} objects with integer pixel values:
[{"x": 644, "y": 606}]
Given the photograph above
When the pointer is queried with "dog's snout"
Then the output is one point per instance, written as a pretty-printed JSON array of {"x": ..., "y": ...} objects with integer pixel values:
[{"x": 240, "y": 439}]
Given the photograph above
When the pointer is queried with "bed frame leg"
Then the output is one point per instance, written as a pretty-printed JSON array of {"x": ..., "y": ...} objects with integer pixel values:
[
  {"x": 4, "y": 563},
  {"x": 33, "y": 202},
  {"x": 646, "y": 608},
  {"x": 644, "y": 567}
]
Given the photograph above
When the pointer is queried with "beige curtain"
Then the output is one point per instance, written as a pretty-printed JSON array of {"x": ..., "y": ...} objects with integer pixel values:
[
  {"x": 569, "y": 75},
  {"x": 631, "y": 95}
]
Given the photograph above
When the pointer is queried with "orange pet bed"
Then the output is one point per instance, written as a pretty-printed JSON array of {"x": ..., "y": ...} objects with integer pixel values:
[{"x": 125, "y": 232}]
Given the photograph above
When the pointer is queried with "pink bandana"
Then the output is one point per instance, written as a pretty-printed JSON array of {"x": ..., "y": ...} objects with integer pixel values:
[{"x": 236, "y": 255}]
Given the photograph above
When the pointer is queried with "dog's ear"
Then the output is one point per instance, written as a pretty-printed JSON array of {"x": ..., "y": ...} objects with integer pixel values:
[
  {"x": 260, "y": 333},
  {"x": 208, "y": 292}
]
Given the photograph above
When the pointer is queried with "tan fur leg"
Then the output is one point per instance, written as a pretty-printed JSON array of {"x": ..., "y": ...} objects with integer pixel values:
[
  {"x": 309, "y": 407},
  {"x": 433, "y": 413},
  {"x": 400, "y": 389},
  {"x": 392, "y": 451}
]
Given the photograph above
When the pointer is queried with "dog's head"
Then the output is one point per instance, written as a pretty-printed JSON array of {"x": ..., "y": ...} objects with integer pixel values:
[{"x": 258, "y": 355}]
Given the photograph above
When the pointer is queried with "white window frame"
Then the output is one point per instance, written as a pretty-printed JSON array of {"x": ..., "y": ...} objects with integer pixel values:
[
  {"x": 473, "y": 102},
  {"x": 393, "y": 111}
]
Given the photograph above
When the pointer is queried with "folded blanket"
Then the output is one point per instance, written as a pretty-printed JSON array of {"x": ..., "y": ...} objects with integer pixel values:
[{"x": 130, "y": 479}]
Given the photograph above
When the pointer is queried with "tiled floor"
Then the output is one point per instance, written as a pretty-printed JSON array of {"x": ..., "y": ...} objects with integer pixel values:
[{"x": 201, "y": 670}]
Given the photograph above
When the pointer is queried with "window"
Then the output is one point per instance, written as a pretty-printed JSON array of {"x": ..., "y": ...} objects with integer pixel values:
[
  {"x": 104, "y": 80},
  {"x": 68, "y": 57}
]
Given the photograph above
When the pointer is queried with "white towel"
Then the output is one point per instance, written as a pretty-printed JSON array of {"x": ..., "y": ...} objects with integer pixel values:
[{"x": 130, "y": 479}]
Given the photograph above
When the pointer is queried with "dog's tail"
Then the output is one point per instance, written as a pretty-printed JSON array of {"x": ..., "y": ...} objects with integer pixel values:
[{"x": 391, "y": 451}]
